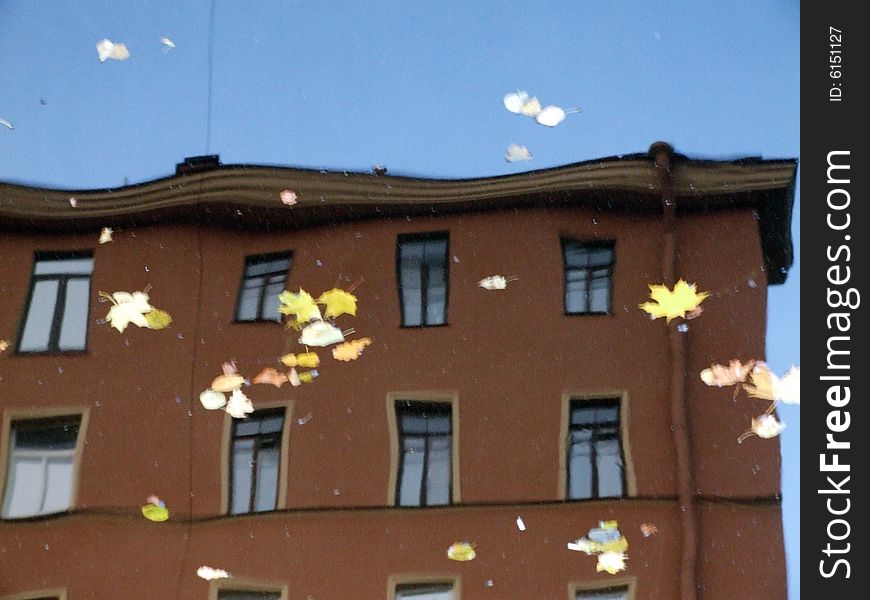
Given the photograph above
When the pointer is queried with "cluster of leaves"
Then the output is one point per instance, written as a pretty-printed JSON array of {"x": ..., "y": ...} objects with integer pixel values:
[
  {"x": 134, "y": 308},
  {"x": 759, "y": 382},
  {"x": 607, "y": 543}
]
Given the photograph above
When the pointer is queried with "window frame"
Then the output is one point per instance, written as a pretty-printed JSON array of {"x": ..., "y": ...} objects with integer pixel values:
[
  {"x": 628, "y": 475},
  {"x": 52, "y": 594},
  {"x": 255, "y": 259},
  {"x": 401, "y": 579},
  {"x": 243, "y": 584},
  {"x": 611, "y": 245},
  {"x": 60, "y": 301},
  {"x": 424, "y": 397},
  {"x": 283, "y": 458},
  {"x": 12, "y": 415},
  {"x": 629, "y": 583},
  {"x": 423, "y": 237}
]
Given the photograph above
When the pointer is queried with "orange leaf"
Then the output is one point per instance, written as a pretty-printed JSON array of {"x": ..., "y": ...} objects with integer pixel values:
[
  {"x": 350, "y": 350},
  {"x": 273, "y": 376}
]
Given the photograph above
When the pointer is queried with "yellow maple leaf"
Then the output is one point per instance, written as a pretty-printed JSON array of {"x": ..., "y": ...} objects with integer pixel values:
[
  {"x": 461, "y": 551},
  {"x": 350, "y": 350},
  {"x": 157, "y": 319},
  {"x": 338, "y": 302},
  {"x": 673, "y": 304},
  {"x": 301, "y": 306}
]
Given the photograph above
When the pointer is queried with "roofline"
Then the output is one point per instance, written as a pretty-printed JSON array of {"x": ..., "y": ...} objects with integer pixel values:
[{"x": 247, "y": 196}]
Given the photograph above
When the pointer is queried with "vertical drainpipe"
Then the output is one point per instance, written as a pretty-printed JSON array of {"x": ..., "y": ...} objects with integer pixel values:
[{"x": 662, "y": 153}]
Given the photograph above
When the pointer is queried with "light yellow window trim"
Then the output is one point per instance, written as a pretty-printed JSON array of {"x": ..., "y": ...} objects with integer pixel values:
[
  {"x": 237, "y": 584},
  {"x": 226, "y": 440},
  {"x": 25, "y": 414},
  {"x": 591, "y": 586},
  {"x": 422, "y": 396},
  {"x": 59, "y": 593},
  {"x": 624, "y": 421},
  {"x": 395, "y": 581}
]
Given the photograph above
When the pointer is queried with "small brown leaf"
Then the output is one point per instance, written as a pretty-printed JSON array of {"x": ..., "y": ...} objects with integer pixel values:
[{"x": 271, "y": 376}]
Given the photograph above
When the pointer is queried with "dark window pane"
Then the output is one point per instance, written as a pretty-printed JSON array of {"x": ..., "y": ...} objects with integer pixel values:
[
  {"x": 256, "y": 461},
  {"x": 264, "y": 279},
  {"x": 422, "y": 275},
  {"x": 610, "y": 593},
  {"x": 46, "y": 435},
  {"x": 425, "y": 591},
  {"x": 588, "y": 273},
  {"x": 247, "y": 595},
  {"x": 426, "y": 461},
  {"x": 438, "y": 471},
  {"x": 595, "y": 463},
  {"x": 242, "y": 465}
]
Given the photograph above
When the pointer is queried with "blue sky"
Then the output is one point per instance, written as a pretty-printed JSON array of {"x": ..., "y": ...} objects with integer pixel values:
[{"x": 414, "y": 86}]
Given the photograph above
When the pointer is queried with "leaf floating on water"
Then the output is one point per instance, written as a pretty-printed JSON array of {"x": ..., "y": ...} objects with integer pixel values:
[
  {"x": 106, "y": 50},
  {"x": 517, "y": 153},
  {"x": 496, "y": 282},
  {"x": 673, "y": 304},
  {"x": 722, "y": 375},
  {"x": 338, "y": 302},
  {"x": 301, "y": 305},
  {"x": 271, "y": 376},
  {"x": 288, "y": 197},
  {"x": 155, "y": 511},
  {"x": 307, "y": 360},
  {"x": 212, "y": 400},
  {"x": 6, "y": 124},
  {"x": 461, "y": 551},
  {"x": 157, "y": 319},
  {"x": 612, "y": 562},
  {"x": 321, "y": 334},
  {"x": 765, "y": 427},
  {"x": 350, "y": 350},
  {"x": 239, "y": 405},
  {"x": 208, "y": 573},
  {"x": 106, "y": 235},
  {"x": 127, "y": 308}
]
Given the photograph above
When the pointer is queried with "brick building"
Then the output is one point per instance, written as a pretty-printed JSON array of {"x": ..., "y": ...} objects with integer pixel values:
[{"x": 555, "y": 400}]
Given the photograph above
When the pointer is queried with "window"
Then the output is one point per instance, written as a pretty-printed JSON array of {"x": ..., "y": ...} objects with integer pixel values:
[
  {"x": 265, "y": 278},
  {"x": 57, "y": 312},
  {"x": 588, "y": 275},
  {"x": 422, "y": 273},
  {"x": 248, "y": 595},
  {"x": 425, "y": 591},
  {"x": 425, "y": 453},
  {"x": 595, "y": 458},
  {"x": 41, "y": 471},
  {"x": 255, "y": 459},
  {"x": 609, "y": 593}
]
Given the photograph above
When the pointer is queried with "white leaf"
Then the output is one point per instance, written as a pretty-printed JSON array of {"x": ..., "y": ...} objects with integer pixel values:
[
  {"x": 495, "y": 282},
  {"x": 516, "y": 153},
  {"x": 6, "y": 124},
  {"x": 212, "y": 400},
  {"x": 550, "y": 116},
  {"x": 520, "y": 524},
  {"x": 239, "y": 406},
  {"x": 106, "y": 235},
  {"x": 788, "y": 389},
  {"x": 106, "y": 50},
  {"x": 128, "y": 308},
  {"x": 320, "y": 334},
  {"x": 514, "y": 102},
  {"x": 209, "y": 573},
  {"x": 168, "y": 43}
]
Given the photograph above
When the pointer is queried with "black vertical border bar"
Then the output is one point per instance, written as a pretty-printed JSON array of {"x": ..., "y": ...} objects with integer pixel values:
[{"x": 833, "y": 112}]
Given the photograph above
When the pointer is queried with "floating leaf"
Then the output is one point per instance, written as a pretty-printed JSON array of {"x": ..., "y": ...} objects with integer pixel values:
[
  {"x": 721, "y": 375},
  {"x": 4, "y": 344},
  {"x": 612, "y": 562},
  {"x": 271, "y": 376},
  {"x": 106, "y": 50},
  {"x": 320, "y": 334},
  {"x": 157, "y": 319},
  {"x": 73, "y": 202},
  {"x": 350, "y": 350},
  {"x": 461, "y": 551},
  {"x": 106, "y": 235},
  {"x": 338, "y": 302},
  {"x": 229, "y": 368},
  {"x": 239, "y": 405},
  {"x": 673, "y": 304},
  {"x": 127, "y": 308},
  {"x": 521, "y": 525},
  {"x": 297, "y": 379},
  {"x": 765, "y": 427},
  {"x": 212, "y": 400},
  {"x": 604, "y": 538},
  {"x": 227, "y": 383},
  {"x": 300, "y": 305},
  {"x": 496, "y": 282},
  {"x": 517, "y": 153},
  {"x": 288, "y": 197},
  {"x": 307, "y": 360},
  {"x": 550, "y": 116},
  {"x": 521, "y": 104},
  {"x": 788, "y": 389},
  {"x": 208, "y": 573},
  {"x": 155, "y": 512},
  {"x": 167, "y": 43},
  {"x": 648, "y": 529},
  {"x": 6, "y": 124},
  {"x": 761, "y": 383}
]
